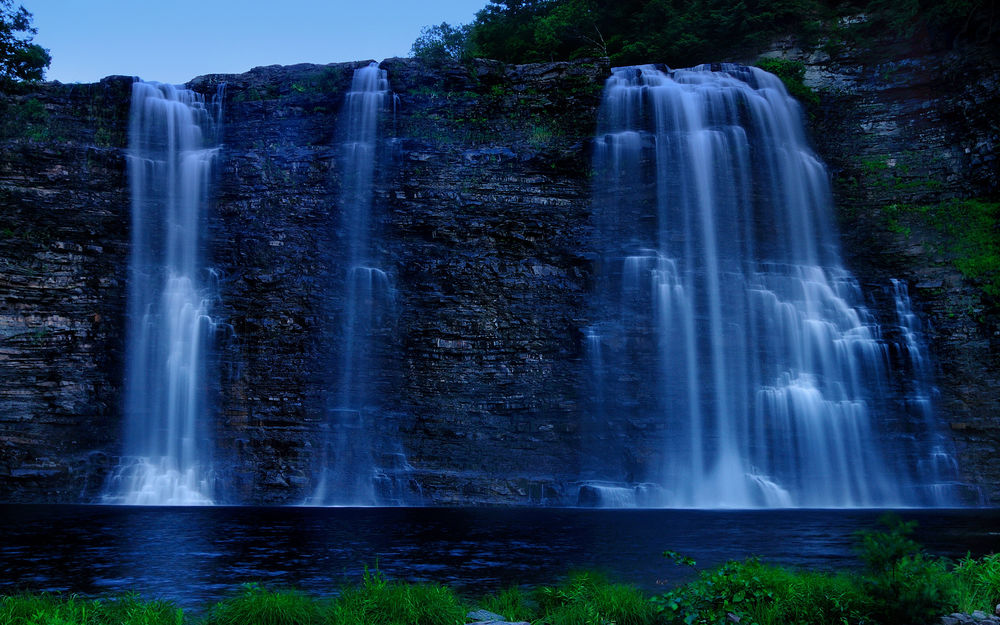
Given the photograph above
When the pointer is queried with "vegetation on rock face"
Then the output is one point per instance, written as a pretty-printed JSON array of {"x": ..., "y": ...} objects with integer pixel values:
[
  {"x": 678, "y": 33},
  {"x": 791, "y": 74},
  {"x": 899, "y": 585},
  {"x": 970, "y": 236},
  {"x": 20, "y": 59}
]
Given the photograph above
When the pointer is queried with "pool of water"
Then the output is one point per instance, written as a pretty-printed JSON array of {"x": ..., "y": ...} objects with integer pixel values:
[{"x": 199, "y": 555}]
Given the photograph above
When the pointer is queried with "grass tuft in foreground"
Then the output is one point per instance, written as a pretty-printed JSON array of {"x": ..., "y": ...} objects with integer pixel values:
[
  {"x": 266, "y": 607},
  {"x": 378, "y": 601},
  {"x": 49, "y": 609}
]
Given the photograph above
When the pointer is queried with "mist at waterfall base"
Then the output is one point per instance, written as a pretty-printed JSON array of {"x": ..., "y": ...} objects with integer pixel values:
[
  {"x": 197, "y": 555},
  {"x": 723, "y": 307}
]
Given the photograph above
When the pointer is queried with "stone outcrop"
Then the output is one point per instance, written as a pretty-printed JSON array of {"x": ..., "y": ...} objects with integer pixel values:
[{"x": 483, "y": 209}]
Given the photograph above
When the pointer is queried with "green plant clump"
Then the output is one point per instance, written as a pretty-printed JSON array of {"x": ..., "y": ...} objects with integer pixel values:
[
  {"x": 378, "y": 601},
  {"x": 590, "y": 598},
  {"x": 266, "y": 607},
  {"x": 903, "y": 585},
  {"x": 791, "y": 74},
  {"x": 49, "y": 609}
]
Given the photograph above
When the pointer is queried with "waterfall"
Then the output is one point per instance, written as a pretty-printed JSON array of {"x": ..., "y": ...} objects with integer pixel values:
[
  {"x": 172, "y": 150},
  {"x": 349, "y": 471},
  {"x": 723, "y": 314}
]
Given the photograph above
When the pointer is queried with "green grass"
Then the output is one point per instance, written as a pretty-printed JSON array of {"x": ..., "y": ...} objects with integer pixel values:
[
  {"x": 49, "y": 609},
  {"x": 266, "y": 607},
  {"x": 378, "y": 601},
  {"x": 511, "y": 603},
  {"x": 589, "y": 598},
  {"x": 977, "y": 583}
]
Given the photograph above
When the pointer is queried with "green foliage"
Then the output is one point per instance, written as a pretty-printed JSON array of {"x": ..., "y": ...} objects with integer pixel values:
[
  {"x": 378, "y": 601},
  {"x": 20, "y": 59},
  {"x": 900, "y": 585},
  {"x": 48, "y": 609},
  {"x": 441, "y": 42},
  {"x": 677, "y": 32},
  {"x": 265, "y": 607},
  {"x": 681, "y": 33},
  {"x": 903, "y": 585},
  {"x": 791, "y": 74},
  {"x": 761, "y": 594},
  {"x": 588, "y": 598}
]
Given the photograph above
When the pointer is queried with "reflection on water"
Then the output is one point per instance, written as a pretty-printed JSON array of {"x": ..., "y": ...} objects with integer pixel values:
[{"x": 199, "y": 555}]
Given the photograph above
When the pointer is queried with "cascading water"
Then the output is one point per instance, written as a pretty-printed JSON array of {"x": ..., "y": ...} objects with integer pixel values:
[
  {"x": 349, "y": 473},
  {"x": 724, "y": 315},
  {"x": 167, "y": 456}
]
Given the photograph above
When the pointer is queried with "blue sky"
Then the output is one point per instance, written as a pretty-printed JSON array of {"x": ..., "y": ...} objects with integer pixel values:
[{"x": 176, "y": 40}]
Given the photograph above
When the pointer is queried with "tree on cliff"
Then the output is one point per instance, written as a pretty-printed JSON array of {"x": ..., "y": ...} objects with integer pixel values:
[
  {"x": 20, "y": 59},
  {"x": 441, "y": 42}
]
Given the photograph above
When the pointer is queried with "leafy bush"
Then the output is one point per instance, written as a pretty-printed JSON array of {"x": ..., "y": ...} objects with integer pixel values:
[{"x": 903, "y": 585}]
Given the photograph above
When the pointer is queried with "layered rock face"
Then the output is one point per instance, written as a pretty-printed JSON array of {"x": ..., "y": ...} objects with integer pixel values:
[
  {"x": 483, "y": 207},
  {"x": 64, "y": 209}
]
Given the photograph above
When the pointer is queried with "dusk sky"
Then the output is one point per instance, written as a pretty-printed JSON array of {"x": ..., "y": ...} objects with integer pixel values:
[{"x": 177, "y": 40}]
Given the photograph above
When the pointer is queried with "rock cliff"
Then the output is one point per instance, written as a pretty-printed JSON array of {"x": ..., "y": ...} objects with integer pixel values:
[{"x": 483, "y": 204}]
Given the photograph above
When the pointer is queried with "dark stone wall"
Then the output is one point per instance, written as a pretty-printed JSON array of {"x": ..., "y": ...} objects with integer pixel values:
[
  {"x": 63, "y": 241},
  {"x": 482, "y": 206}
]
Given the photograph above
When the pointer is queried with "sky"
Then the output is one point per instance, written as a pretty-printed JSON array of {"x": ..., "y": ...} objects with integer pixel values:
[{"x": 175, "y": 40}]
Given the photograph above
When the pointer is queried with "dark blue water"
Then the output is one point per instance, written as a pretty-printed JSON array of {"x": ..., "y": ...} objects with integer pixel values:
[{"x": 198, "y": 555}]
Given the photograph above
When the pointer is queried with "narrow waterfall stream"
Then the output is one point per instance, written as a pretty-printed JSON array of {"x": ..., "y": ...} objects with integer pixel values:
[
  {"x": 167, "y": 457},
  {"x": 351, "y": 471}
]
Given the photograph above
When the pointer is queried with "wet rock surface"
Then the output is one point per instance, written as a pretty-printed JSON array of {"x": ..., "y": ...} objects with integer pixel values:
[{"x": 483, "y": 216}]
